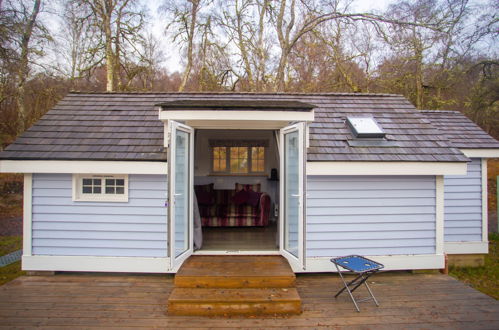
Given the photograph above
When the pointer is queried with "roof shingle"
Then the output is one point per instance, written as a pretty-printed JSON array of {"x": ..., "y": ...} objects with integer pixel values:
[
  {"x": 460, "y": 131},
  {"x": 125, "y": 126}
]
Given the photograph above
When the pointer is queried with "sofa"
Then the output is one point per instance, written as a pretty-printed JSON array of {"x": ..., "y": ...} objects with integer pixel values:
[{"x": 242, "y": 206}]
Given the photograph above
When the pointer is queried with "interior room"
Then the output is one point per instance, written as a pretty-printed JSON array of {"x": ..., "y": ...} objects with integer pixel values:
[{"x": 236, "y": 183}]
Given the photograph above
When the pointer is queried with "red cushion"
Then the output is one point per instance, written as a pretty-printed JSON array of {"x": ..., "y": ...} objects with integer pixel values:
[
  {"x": 253, "y": 198},
  {"x": 240, "y": 197},
  {"x": 205, "y": 197},
  {"x": 204, "y": 187}
]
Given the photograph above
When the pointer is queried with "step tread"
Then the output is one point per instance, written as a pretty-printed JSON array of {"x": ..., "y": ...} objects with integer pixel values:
[
  {"x": 236, "y": 266},
  {"x": 231, "y": 296}
]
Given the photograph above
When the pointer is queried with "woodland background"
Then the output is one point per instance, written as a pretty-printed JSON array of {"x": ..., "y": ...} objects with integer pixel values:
[{"x": 440, "y": 54}]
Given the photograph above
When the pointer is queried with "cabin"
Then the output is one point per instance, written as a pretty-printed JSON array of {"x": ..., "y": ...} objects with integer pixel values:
[{"x": 139, "y": 182}]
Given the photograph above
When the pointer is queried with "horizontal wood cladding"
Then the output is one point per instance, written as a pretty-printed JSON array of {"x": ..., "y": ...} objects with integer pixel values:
[
  {"x": 64, "y": 227},
  {"x": 463, "y": 205},
  {"x": 370, "y": 215}
]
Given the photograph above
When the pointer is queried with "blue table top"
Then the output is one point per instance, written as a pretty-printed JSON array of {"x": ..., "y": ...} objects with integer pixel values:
[{"x": 357, "y": 264}]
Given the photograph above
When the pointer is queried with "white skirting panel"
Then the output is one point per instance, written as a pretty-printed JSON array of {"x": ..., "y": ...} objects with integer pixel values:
[
  {"x": 95, "y": 264},
  {"x": 393, "y": 262},
  {"x": 466, "y": 247}
]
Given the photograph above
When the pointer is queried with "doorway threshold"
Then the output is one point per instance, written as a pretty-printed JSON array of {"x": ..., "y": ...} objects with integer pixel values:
[{"x": 236, "y": 252}]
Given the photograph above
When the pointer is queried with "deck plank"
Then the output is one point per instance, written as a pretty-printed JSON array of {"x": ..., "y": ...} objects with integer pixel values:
[{"x": 126, "y": 302}]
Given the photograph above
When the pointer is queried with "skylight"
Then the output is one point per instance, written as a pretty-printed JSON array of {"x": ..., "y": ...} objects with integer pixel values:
[{"x": 365, "y": 127}]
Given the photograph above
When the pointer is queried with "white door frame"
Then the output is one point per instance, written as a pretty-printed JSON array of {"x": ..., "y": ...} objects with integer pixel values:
[
  {"x": 296, "y": 262},
  {"x": 173, "y": 127}
]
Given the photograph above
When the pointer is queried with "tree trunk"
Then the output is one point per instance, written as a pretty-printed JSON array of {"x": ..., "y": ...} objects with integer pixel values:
[
  {"x": 243, "y": 49},
  {"x": 22, "y": 73},
  {"x": 190, "y": 37},
  {"x": 419, "y": 76},
  {"x": 260, "y": 76},
  {"x": 110, "y": 58}
]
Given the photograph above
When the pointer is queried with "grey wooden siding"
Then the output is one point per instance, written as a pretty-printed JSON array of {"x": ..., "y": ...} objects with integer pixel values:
[
  {"x": 370, "y": 215},
  {"x": 463, "y": 205},
  {"x": 133, "y": 229}
]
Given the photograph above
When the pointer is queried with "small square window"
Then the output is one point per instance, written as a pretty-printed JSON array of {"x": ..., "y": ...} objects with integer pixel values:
[{"x": 110, "y": 188}]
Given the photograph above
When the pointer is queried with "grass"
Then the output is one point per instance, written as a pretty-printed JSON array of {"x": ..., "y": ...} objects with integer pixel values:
[
  {"x": 485, "y": 278},
  {"x": 11, "y": 197},
  {"x": 10, "y": 272},
  {"x": 10, "y": 244}
]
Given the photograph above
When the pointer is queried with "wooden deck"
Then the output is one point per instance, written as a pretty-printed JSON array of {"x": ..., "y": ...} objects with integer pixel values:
[{"x": 121, "y": 301}]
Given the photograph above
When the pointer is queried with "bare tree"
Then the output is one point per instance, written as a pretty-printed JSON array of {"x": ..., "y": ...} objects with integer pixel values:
[
  {"x": 120, "y": 23},
  {"x": 185, "y": 22}
]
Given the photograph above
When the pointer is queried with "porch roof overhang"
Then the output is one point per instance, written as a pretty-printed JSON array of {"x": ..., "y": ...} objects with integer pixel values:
[{"x": 236, "y": 114}]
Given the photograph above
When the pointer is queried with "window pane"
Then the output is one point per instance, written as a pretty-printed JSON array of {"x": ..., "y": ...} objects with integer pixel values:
[
  {"x": 109, "y": 190},
  {"x": 234, "y": 165},
  {"x": 257, "y": 159},
  {"x": 87, "y": 190},
  {"x": 239, "y": 159},
  {"x": 110, "y": 182},
  {"x": 120, "y": 190},
  {"x": 87, "y": 182},
  {"x": 261, "y": 166},
  {"x": 219, "y": 159},
  {"x": 97, "y": 190},
  {"x": 97, "y": 182},
  {"x": 120, "y": 182}
]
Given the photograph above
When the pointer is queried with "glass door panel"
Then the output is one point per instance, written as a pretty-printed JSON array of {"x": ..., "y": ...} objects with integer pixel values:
[
  {"x": 291, "y": 217},
  {"x": 180, "y": 175},
  {"x": 181, "y": 192},
  {"x": 291, "y": 193}
]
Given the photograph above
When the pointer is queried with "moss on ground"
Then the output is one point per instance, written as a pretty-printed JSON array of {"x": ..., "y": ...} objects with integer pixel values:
[
  {"x": 10, "y": 272},
  {"x": 10, "y": 244},
  {"x": 485, "y": 278}
]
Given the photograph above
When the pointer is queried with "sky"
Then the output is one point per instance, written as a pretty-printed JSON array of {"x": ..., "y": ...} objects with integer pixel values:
[{"x": 173, "y": 61}]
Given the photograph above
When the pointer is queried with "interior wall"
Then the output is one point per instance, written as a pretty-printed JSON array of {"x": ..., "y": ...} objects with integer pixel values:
[{"x": 202, "y": 160}]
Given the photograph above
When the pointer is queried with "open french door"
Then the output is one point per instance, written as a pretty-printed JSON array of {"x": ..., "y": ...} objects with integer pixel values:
[
  {"x": 292, "y": 192},
  {"x": 180, "y": 178}
]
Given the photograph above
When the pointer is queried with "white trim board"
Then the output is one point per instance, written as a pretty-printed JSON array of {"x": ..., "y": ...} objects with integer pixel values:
[
  {"x": 386, "y": 168},
  {"x": 485, "y": 201},
  {"x": 160, "y": 265},
  {"x": 466, "y": 247},
  {"x": 439, "y": 214},
  {"x": 85, "y": 166},
  {"x": 480, "y": 153},
  {"x": 237, "y": 253},
  {"x": 95, "y": 264},
  {"x": 231, "y": 115},
  {"x": 392, "y": 262},
  {"x": 27, "y": 213}
]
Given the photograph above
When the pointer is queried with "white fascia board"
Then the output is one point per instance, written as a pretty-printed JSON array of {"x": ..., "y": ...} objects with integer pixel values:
[
  {"x": 386, "y": 168},
  {"x": 77, "y": 166},
  {"x": 466, "y": 247},
  {"x": 202, "y": 115},
  {"x": 95, "y": 264},
  {"x": 480, "y": 153},
  {"x": 391, "y": 262}
]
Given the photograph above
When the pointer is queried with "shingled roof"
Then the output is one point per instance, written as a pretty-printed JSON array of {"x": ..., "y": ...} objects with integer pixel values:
[
  {"x": 125, "y": 126},
  {"x": 461, "y": 131}
]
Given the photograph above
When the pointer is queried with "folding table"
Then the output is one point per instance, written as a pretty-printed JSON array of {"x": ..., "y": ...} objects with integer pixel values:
[{"x": 364, "y": 268}]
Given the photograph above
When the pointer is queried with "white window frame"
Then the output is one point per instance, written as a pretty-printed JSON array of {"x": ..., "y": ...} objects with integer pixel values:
[{"x": 79, "y": 196}]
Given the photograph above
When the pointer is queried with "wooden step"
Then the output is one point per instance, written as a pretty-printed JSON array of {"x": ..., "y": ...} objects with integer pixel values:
[
  {"x": 235, "y": 272},
  {"x": 248, "y": 301}
]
